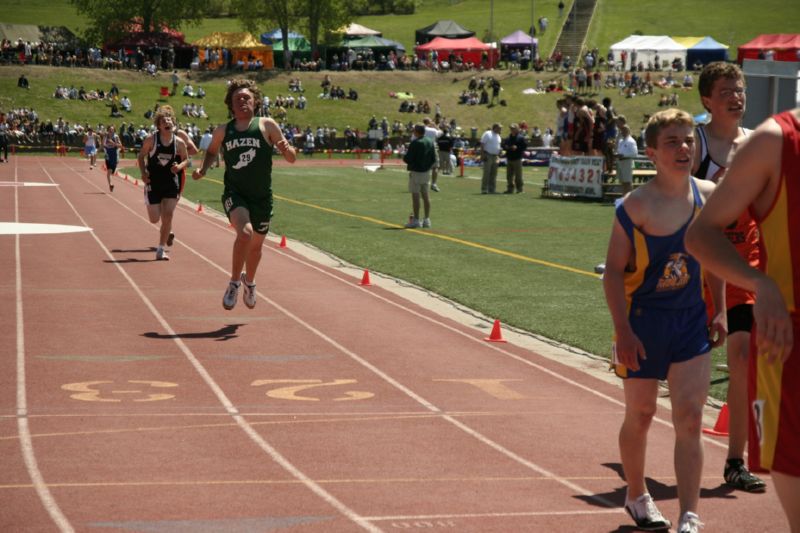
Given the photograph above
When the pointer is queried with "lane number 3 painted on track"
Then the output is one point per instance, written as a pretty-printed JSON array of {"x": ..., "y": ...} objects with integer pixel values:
[{"x": 108, "y": 391}]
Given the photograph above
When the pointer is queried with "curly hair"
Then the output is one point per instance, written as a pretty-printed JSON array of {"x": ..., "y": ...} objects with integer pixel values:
[
  {"x": 243, "y": 83},
  {"x": 163, "y": 112},
  {"x": 715, "y": 71},
  {"x": 664, "y": 119}
]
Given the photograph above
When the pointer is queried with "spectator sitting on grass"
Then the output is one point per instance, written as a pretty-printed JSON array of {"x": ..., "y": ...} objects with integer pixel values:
[
  {"x": 125, "y": 102},
  {"x": 201, "y": 93},
  {"x": 115, "y": 109},
  {"x": 188, "y": 90}
]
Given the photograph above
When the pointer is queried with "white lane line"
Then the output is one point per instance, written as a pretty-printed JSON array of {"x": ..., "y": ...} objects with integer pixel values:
[
  {"x": 419, "y": 399},
  {"x": 478, "y": 340},
  {"x": 411, "y": 394},
  {"x": 243, "y": 424},
  {"x": 25, "y": 439}
]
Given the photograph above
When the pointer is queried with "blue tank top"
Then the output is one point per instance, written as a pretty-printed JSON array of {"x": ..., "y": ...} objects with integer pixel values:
[{"x": 665, "y": 275}]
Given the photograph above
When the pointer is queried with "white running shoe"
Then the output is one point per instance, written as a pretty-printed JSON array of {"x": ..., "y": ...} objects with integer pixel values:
[
  {"x": 426, "y": 223},
  {"x": 644, "y": 512},
  {"x": 231, "y": 295},
  {"x": 249, "y": 296},
  {"x": 414, "y": 223},
  {"x": 161, "y": 254},
  {"x": 690, "y": 523}
]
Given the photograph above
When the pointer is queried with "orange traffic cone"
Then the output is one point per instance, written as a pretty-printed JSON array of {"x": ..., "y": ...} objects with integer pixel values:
[
  {"x": 199, "y": 207},
  {"x": 136, "y": 182},
  {"x": 721, "y": 427},
  {"x": 283, "y": 242},
  {"x": 497, "y": 334},
  {"x": 365, "y": 278}
]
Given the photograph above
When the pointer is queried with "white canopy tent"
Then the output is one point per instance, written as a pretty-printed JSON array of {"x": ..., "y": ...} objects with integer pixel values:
[
  {"x": 357, "y": 30},
  {"x": 647, "y": 47}
]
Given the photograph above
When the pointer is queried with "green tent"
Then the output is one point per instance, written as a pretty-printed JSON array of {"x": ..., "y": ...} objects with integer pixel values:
[
  {"x": 374, "y": 42},
  {"x": 298, "y": 46}
]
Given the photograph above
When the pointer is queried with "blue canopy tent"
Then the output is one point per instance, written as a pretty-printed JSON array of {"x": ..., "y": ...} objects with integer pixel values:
[{"x": 706, "y": 51}]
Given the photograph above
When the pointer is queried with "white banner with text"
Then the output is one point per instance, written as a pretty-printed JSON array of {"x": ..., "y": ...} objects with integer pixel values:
[{"x": 576, "y": 175}]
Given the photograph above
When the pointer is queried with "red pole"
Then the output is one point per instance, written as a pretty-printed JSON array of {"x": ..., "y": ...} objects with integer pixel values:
[
  {"x": 462, "y": 166},
  {"x": 330, "y": 153}
]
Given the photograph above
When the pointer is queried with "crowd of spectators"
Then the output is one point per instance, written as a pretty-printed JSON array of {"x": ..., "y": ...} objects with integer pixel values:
[{"x": 478, "y": 91}]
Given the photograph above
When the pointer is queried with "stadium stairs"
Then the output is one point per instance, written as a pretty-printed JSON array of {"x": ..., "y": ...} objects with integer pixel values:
[{"x": 573, "y": 32}]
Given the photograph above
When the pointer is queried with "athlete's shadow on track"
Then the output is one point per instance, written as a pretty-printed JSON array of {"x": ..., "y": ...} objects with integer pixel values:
[
  {"x": 131, "y": 259},
  {"x": 658, "y": 490},
  {"x": 222, "y": 334},
  {"x": 134, "y": 251}
]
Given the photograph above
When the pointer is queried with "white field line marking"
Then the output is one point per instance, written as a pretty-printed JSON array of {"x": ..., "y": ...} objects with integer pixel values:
[
  {"x": 426, "y": 404},
  {"x": 25, "y": 439},
  {"x": 217, "y": 390},
  {"x": 492, "y": 515}
]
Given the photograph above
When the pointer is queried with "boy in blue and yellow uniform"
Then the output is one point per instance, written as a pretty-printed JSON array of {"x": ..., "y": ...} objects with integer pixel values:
[{"x": 654, "y": 290}]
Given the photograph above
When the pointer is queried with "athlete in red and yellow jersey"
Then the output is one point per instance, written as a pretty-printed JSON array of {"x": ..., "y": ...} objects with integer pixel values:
[{"x": 764, "y": 177}]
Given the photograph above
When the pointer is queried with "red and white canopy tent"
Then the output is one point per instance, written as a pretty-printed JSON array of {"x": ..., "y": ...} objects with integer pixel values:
[{"x": 470, "y": 50}]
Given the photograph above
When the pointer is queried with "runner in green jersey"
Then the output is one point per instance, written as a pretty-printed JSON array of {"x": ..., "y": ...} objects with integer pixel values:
[{"x": 247, "y": 143}]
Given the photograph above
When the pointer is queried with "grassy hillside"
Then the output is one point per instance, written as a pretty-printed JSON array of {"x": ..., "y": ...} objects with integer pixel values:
[
  {"x": 373, "y": 88},
  {"x": 731, "y": 22}
]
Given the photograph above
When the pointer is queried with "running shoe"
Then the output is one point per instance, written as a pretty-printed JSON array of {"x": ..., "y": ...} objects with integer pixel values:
[
  {"x": 231, "y": 295},
  {"x": 249, "y": 296},
  {"x": 161, "y": 254},
  {"x": 426, "y": 223},
  {"x": 690, "y": 523},
  {"x": 434, "y": 187},
  {"x": 644, "y": 512},
  {"x": 170, "y": 238},
  {"x": 414, "y": 223},
  {"x": 739, "y": 477},
  {"x": 111, "y": 188}
]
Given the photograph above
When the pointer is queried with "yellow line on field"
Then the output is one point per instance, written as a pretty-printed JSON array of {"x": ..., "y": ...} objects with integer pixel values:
[
  {"x": 455, "y": 240},
  {"x": 442, "y": 237}
]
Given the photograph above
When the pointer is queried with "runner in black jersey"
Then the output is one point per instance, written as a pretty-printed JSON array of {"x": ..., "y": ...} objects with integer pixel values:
[
  {"x": 247, "y": 143},
  {"x": 161, "y": 161}
]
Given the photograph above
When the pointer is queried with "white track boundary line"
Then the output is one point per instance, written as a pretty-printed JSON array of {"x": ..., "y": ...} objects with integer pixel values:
[
  {"x": 426, "y": 404},
  {"x": 25, "y": 438},
  {"x": 216, "y": 389}
]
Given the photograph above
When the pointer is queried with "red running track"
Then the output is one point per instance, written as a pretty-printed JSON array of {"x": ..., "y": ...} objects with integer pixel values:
[{"x": 131, "y": 401}]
